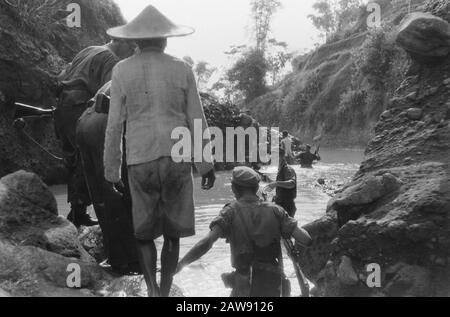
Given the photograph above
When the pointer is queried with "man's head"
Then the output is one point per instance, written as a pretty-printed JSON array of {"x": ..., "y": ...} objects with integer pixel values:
[
  {"x": 285, "y": 134},
  {"x": 158, "y": 43},
  {"x": 122, "y": 48},
  {"x": 245, "y": 182}
]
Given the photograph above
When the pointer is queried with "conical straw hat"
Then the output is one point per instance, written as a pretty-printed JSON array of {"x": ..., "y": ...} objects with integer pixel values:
[{"x": 149, "y": 24}]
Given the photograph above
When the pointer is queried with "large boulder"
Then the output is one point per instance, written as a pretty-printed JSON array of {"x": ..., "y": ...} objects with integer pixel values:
[
  {"x": 39, "y": 249},
  {"x": 37, "y": 246},
  {"x": 424, "y": 35},
  {"x": 29, "y": 216}
]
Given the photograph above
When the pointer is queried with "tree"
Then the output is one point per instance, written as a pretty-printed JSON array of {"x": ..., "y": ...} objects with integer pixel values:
[
  {"x": 262, "y": 14},
  {"x": 249, "y": 74},
  {"x": 325, "y": 19},
  {"x": 334, "y": 15},
  {"x": 277, "y": 58},
  {"x": 204, "y": 72}
]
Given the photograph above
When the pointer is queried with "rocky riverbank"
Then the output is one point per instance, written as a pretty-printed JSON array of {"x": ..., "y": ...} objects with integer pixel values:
[
  {"x": 38, "y": 248},
  {"x": 395, "y": 213}
]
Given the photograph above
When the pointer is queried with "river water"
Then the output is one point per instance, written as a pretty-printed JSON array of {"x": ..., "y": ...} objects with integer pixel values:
[{"x": 202, "y": 279}]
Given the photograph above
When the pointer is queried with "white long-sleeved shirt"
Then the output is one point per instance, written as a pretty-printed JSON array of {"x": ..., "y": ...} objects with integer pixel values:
[{"x": 152, "y": 93}]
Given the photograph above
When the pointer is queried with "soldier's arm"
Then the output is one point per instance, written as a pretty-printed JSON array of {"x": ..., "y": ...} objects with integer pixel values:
[
  {"x": 108, "y": 61},
  {"x": 114, "y": 131},
  {"x": 289, "y": 183},
  {"x": 201, "y": 248}
]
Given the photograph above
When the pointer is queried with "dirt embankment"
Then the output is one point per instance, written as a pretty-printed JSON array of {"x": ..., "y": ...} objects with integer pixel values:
[
  {"x": 328, "y": 95},
  {"x": 36, "y": 43}
]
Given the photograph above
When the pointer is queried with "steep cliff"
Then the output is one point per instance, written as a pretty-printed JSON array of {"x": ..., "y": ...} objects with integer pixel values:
[
  {"x": 340, "y": 89},
  {"x": 396, "y": 212},
  {"x": 36, "y": 43}
]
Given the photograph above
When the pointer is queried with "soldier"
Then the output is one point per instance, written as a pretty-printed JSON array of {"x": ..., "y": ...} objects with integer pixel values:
[
  {"x": 307, "y": 158},
  {"x": 90, "y": 70},
  {"x": 254, "y": 230}
]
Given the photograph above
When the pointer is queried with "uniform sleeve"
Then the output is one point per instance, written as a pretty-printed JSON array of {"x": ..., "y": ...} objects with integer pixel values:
[
  {"x": 195, "y": 113},
  {"x": 114, "y": 131},
  {"x": 107, "y": 68},
  {"x": 287, "y": 224},
  {"x": 224, "y": 221}
]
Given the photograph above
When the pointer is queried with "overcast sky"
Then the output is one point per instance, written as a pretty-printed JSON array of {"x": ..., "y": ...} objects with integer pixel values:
[{"x": 222, "y": 23}]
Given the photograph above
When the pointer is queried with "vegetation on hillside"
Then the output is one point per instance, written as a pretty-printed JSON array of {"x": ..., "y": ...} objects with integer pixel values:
[
  {"x": 258, "y": 65},
  {"x": 340, "y": 89},
  {"x": 378, "y": 69}
]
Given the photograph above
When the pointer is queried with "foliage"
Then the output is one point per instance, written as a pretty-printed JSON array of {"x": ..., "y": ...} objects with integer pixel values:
[
  {"x": 204, "y": 71},
  {"x": 33, "y": 16},
  {"x": 335, "y": 16},
  {"x": 277, "y": 59},
  {"x": 262, "y": 14},
  {"x": 299, "y": 99},
  {"x": 377, "y": 70},
  {"x": 374, "y": 59},
  {"x": 352, "y": 107},
  {"x": 249, "y": 74}
]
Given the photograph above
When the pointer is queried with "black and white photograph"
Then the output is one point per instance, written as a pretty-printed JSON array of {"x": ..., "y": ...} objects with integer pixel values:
[{"x": 225, "y": 154}]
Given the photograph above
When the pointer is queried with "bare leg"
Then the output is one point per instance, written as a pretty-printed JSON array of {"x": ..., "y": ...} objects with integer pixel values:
[
  {"x": 148, "y": 256},
  {"x": 169, "y": 261}
]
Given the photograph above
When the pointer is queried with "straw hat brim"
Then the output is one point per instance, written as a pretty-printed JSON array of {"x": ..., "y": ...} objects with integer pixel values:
[
  {"x": 121, "y": 32},
  {"x": 149, "y": 24}
]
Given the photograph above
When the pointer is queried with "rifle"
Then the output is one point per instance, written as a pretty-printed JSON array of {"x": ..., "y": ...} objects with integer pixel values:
[
  {"x": 292, "y": 253},
  {"x": 22, "y": 112},
  {"x": 293, "y": 256}
]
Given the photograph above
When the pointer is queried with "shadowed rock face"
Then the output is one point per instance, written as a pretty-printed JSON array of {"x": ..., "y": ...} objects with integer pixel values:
[
  {"x": 396, "y": 211},
  {"x": 36, "y": 245}
]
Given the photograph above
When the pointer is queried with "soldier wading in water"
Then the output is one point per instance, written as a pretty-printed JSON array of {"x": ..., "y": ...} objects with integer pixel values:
[{"x": 254, "y": 230}]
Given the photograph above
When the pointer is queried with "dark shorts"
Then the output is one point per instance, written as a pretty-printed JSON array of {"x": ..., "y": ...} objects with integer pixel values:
[{"x": 163, "y": 199}]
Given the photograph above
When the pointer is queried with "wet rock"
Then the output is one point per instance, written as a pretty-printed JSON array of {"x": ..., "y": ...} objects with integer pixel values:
[
  {"x": 346, "y": 274},
  {"x": 31, "y": 271},
  {"x": 321, "y": 181},
  {"x": 29, "y": 216},
  {"x": 414, "y": 113},
  {"x": 424, "y": 35},
  {"x": 408, "y": 280},
  {"x": 365, "y": 191}
]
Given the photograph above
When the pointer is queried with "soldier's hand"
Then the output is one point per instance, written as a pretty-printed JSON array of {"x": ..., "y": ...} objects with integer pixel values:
[{"x": 208, "y": 180}]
